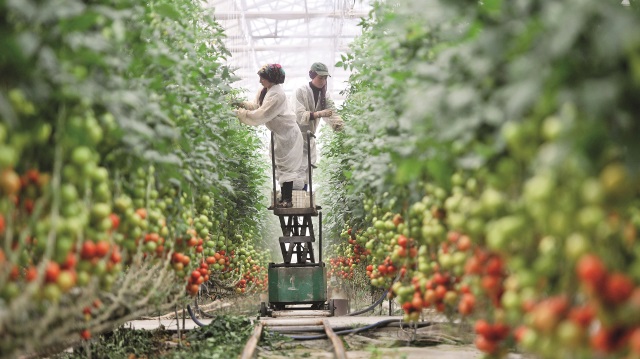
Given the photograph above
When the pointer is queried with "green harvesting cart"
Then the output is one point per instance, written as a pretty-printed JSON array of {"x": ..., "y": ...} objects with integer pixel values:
[{"x": 300, "y": 281}]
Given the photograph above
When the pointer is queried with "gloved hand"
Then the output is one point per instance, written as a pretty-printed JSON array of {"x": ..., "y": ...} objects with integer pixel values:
[
  {"x": 324, "y": 113},
  {"x": 338, "y": 125}
]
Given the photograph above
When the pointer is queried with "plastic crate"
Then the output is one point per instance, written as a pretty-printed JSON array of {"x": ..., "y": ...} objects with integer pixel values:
[{"x": 300, "y": 199}]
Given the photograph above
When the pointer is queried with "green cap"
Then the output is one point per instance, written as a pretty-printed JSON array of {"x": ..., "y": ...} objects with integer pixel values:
[{"x": 320, "y": 68}]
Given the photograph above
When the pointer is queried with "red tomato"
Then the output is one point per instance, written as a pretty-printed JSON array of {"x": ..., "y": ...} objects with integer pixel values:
[
  {"x": 485, "y": 345},
  {"x": 402, "y": 241},
  {"x": 186, "y": 260},
  {"x": 582, "y": 316},
  {"x": 591, "y": 270},
  {"x": 416, "y": 302},
  {"x": 618, "y": 288},
  {"x": 116, "y": 257},
  {"x": 31, "y": 274},
  {"x": 482, "y": 327},
  {"x": 142, "y": 212},
  {"x": 88, "y": 250},
  {"x": 382, "y": 269},
  {"x": 177, "y": 257},
  {"x": 115, "y": 221},
  {"x": 52, "y": 272},
  {"x": 634, "y": 341},
  {"x": 494, "y": 266},
  {"x": 85, "y": 334},
  {"x": 102, "y": 248},
  {"x": 71, "y": 261},
  {"x": 440, "y": 292},
  {"x": 464, "y": 243}
]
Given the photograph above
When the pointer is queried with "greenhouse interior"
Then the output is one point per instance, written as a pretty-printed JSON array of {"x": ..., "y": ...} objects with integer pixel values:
[{"x": 315, "y": 178}]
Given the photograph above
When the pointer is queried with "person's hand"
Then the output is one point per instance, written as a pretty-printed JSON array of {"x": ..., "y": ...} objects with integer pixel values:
[
  {"x": 324, "y": 113},
  {"x": 338, "y": 125}
]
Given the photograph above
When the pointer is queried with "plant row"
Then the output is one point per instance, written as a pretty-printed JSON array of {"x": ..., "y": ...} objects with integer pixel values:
[
  {"x": 120, "y": 169},
  {"x": 489, "y": 170}
]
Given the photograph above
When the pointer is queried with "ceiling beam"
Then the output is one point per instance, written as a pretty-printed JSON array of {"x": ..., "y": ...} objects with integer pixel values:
[
  {"x": 258, "y": 37},
  {"x": 274, "y": 47},
  {"x": 289, "y": 15}
]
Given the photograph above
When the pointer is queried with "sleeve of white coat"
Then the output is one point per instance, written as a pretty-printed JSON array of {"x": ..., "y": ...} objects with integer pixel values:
[
  {"x": 335, "y": 121},
  {"x": 302, "y": 113},
  {"x": 265, "y": 113},
  {"x": 249, "y": 105}
]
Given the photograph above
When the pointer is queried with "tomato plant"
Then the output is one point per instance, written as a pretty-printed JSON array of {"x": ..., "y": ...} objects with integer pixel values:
[
  {"x": 519, "y": 188},
  {"x": 120, "y": 159}
]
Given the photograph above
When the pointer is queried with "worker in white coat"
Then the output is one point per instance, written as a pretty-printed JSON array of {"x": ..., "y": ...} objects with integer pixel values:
[
  {"x": 311, "y": 103},
  {"x": 271, "y": 109}
]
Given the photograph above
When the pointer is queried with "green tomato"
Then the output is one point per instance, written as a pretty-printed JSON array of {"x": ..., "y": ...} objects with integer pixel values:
[
  {"x": 100, "y": 175},
  {"x": 68, "y": 193},
  {"x": 9, "y": 291},
  {"x": 81, "y": 156},
  {"x": 8, "y": 156},
  {"x": 150, "y": 246},
  {"x": 3, "y": 133},
  {"x": 83, "y": 278},
  {"x": 51, "y": 292},
  {"x": 100, "y": 210},
  {"x": 102, "y": 192}
]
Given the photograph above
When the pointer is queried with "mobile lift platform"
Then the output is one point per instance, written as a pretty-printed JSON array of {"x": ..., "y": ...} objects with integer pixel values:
[{"x": 299, "y": 282}]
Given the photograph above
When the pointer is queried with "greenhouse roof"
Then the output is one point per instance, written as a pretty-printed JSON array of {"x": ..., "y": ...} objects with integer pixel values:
[{"x": 293, "y": 33}]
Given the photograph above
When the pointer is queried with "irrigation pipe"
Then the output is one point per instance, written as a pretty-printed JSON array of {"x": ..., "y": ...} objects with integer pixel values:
[
  {"x": 372, "y": 306},
  {"x": 202, "y": 312},
  {"x": 377, "y": 302},
  {"x": 193, "y": 317}
]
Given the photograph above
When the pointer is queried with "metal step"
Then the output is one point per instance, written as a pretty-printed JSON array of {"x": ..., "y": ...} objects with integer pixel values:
[{"x": 300, "y": 246}]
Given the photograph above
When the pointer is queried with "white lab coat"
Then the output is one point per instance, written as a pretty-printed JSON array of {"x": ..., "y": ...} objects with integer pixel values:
[
  {"x": 303, "y": 105},
  {"x": 288, "y": 143}
]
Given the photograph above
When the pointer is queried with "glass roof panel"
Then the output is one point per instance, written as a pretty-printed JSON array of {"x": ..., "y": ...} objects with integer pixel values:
[{"x": 293, "y": 33}]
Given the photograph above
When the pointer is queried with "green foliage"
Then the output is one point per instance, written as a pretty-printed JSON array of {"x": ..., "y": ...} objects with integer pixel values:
[
  {"x": 151, "y": 76},
  {"x": 122, "y": 343},
  {"x": 224, "y": 337},
  {"x": 511, "y": 124},
  {"x": 125, "y": 105},
  {"x": 433, "y": 90}
]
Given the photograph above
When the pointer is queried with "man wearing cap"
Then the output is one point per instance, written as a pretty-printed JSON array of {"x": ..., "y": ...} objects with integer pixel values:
[{"x": 312, "y": 102}]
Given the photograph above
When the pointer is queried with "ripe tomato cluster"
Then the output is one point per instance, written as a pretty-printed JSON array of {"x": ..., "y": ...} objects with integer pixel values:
[
  {"x": 348, "y": 255},
  {"x": 197, "y": 277},
  {"x": 474, "y": 273},
  {"x": 253, "y": 281}
]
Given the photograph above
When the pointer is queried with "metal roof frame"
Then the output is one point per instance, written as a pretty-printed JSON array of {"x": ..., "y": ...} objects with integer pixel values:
[{"x": 294, "y": 33}]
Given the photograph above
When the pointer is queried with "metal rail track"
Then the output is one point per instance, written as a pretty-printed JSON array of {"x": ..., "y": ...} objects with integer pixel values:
[{"x": 336, "y": 343}]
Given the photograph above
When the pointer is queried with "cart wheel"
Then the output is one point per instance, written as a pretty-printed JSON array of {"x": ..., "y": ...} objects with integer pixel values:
[
  {"x": 332, "y": 308},
  {"x": 263, "y": 309}
]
